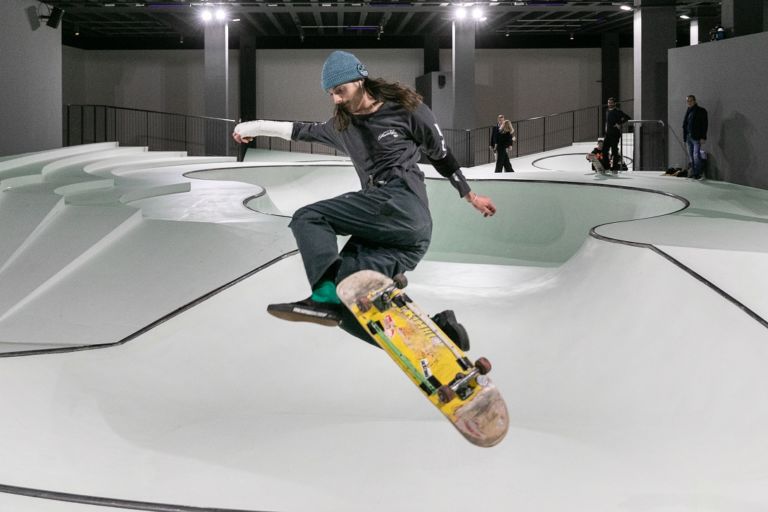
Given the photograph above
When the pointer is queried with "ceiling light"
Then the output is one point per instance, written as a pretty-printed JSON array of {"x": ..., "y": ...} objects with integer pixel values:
[
  {"x": 461, "y": 13},
  {"x": 220, "y": 14},
  {"x": 477, "y": 13},
  {"x": 625, "y": 7},
  {"x": 684, "y": 17},
  {"x": 206, "y": 15}
]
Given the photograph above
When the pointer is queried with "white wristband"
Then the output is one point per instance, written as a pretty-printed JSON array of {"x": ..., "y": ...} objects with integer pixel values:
[{"x": 261, "y": 128}]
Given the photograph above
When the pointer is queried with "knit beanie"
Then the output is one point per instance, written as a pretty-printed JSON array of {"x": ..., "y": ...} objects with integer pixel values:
[{"x": 340, "y": 68}]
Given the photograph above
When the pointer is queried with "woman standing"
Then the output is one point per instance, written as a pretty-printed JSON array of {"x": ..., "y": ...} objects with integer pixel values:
[{"x": 505, "y": 140}]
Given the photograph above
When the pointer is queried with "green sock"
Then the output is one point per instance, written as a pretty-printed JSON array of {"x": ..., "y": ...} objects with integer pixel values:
[{"x": 325, "y": 291}]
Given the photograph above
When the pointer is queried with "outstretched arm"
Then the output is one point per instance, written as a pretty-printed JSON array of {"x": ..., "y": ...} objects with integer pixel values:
[
  {"x": 245, "y": 132},
  {"x": 449, "y": 167}
]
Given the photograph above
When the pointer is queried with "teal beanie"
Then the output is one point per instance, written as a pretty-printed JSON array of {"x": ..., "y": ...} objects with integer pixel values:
[{"x": 340, "y": 68}]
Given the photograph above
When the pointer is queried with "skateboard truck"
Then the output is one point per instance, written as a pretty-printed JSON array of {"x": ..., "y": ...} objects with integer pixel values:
[{"x": 462, "y": 386}]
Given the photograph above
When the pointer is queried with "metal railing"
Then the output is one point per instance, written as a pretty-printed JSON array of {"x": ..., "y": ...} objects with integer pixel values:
[
  {"x": 163, "y": 131},
  {"x": 535, "y": 135},
  {"x": 159, "y": 131}
]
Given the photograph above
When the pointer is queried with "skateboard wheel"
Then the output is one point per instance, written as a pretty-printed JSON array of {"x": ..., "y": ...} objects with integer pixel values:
[
  {"x": 445, "y": 394},
  {"x": 483, "y": 365},
  {"x": 400, "y": 281},
  {"x": 364, "y": 304}
]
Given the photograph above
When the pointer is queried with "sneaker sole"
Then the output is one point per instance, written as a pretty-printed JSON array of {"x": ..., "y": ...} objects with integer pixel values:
[{"x": 293, "y": 316}]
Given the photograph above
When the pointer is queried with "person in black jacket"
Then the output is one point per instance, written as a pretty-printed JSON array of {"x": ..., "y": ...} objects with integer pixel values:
[
  {"x": 614, "y": 118},
  {"x": 495, "y": 131},
  {"x": 504, "y": 141},
  {"x": 695, "y": 124}
]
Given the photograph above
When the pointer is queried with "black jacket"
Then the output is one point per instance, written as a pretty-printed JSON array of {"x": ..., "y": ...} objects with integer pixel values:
[
  {"x": 494, "y": 135},
  {"x": 612, "y": 118},
  {"x": 695, "y": 123}
]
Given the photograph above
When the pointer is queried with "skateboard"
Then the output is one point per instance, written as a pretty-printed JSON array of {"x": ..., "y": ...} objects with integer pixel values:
[
  {"x": 460, "y": 389},
  {"x": 597, "y": 164}
]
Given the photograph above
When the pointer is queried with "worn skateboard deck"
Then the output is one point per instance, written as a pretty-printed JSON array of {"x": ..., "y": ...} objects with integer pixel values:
[
  {"x": 460, "y": 389},
  {"x": 597, "y": 164}
]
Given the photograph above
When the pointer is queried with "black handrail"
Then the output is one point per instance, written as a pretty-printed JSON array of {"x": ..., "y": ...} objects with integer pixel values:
[{"x": 199, "y": 135}]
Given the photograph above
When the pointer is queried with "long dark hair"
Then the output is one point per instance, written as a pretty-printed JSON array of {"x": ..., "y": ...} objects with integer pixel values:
[{"x": 380, "y": 90}]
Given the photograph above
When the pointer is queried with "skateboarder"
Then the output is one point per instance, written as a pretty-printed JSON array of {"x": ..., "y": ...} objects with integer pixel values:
[
  {"x": 596, "y": 157},
  {"x": 383, "y": 127}
]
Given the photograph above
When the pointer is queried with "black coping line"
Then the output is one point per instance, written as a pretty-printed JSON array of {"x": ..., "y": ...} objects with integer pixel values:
[
  {"x": 159, "y": 507},
  {"x": 157, "y": 322},
  {"x": 536, "y": 161},
  {"x": 110, "y": 502},
  {"x": 730, "y": 298}
]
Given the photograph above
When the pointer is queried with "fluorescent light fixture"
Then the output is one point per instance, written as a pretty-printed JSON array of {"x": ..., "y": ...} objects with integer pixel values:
[
  {"x": 684, "y": 17},
  {"x": 625, "y": 7}
]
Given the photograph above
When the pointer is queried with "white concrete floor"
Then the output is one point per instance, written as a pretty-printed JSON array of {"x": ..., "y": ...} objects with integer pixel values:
[{"x": 632, "y": 360}]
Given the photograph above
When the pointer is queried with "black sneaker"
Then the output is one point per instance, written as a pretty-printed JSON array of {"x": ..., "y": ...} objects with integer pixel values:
[
  {"x": 446, "y": 321},
  {"x": 308, "y": 310}
]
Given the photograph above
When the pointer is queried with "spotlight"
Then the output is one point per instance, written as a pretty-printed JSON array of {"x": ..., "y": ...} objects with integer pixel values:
[
  {"x": 220, "y": 14},
  {"x": 206, "y": 15},
  {"x": 477, "y": 13},
  {"x": 54, "y": 17},
  {"x": 571, "y": 36},
  {"x": 77, "y": 30},
  {"x": 461, "y": 13}
]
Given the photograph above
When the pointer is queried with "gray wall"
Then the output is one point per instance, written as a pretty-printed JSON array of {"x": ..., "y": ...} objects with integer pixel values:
[
  {"x": 519, "y": 83},
  {"x": 160, "y": 80},
  {"x": 727, "y": 77},
  {"x": 30, "y": 80}
]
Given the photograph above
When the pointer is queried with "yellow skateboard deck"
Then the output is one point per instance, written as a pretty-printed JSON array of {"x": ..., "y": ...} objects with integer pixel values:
[{"x": 460, "y": 389}]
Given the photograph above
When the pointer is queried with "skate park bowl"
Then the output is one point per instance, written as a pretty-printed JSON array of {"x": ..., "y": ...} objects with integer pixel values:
[{"x": 623, "y": 319}]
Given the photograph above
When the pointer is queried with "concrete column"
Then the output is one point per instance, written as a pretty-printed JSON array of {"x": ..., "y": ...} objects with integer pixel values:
[
  {"x": 742, "y": 17},
  {"x": 701, "y": 27},
  {"x": 247, "y": 63},
  {"x": 610, "y": 66},
  {"x": 654, "y": 34},
  {"x": 216, "y": 86},
  {"x": 431, "y": 53},
  {"x": 464, "y": 74}
]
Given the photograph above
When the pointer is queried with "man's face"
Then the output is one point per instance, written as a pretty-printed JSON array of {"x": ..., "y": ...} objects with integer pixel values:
[
  {"x": 690, "y": 101},
  {"x": 611, "y": 104},
  {"x": 348, "y": 96},
  {"x": 500, "y": 120}
]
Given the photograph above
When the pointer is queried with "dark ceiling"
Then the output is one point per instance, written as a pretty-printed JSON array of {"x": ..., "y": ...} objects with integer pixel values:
[{"x": 111, "y": 24}]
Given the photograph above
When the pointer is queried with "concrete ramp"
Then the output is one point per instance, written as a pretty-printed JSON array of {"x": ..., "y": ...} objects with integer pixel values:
[{"x": 634, "y": 381}]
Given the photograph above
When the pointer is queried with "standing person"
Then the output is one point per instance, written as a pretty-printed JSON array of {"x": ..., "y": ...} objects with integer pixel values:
[
  {"x": 614, "y": 118},
  {"x": 504, "y": 141},
  {"x": 495, "y": 131},
  {"x": 695, "y": 124},
  {"x": 384, "y": 127}
]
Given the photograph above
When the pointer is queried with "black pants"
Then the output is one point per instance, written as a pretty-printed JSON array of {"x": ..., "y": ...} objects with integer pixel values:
[
  {"x": 502, "y": 160},
  {"x": 611, "y": 158},
  {"x": 390, "y": 230}
]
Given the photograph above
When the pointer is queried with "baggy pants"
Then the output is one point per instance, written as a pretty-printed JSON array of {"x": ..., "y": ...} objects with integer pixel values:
[{"x": 390, "y": 229}]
